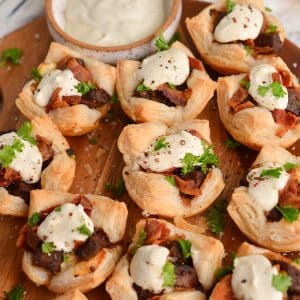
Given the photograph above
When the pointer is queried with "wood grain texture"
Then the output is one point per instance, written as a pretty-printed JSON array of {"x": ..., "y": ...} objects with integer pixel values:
[{"x": 102, "y": 163}]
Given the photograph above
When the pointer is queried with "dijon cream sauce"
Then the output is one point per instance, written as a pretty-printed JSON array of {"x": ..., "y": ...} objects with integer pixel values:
[{"x": 113, "y": 22}]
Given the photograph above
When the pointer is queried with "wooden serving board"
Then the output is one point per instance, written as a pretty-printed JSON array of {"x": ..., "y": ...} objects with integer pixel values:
[{"x": 102, "y": 163}]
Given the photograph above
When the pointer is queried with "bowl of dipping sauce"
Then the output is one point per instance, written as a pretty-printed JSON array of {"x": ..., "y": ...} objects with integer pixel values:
[{"x": 112, "y": 30}]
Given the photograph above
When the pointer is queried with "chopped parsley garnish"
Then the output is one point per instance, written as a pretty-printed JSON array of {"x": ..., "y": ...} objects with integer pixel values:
[
  {"x": 262, "y": 90},
  {"x": 71, "y": 153},
  {"x": 207, "y": 158},
  {"x": 84, "y": 230},
  {"x": 140, "y": 241},
  {"x": 34, "y": 219},
  {"x": 48, "y": 248},
  {"x": 84, "y": 87},
  {"x": 24, "y": 132},
  {"x": 223, "y": 271},
  {"x": 229, "y": 6},
  {"x": 168, "y": 274},
  {"x": 276, "y": 172},
  {"x": 114, "y": 99},
  {"x": 8, "y": 152},
  {"x": 171, "y": 179},
  {"x": 277, "y": 89},
  {"x": 117, "y": 189},
  {"x": 160, "y": 143},
  {"x": 185, "y": 246},
  {"x": 297, "y": 261},
  {"x": 66, "y": 257},
  {"x": 268, "y": 9},
  {"x": 141, "y": 88},
  {"x": 248, "y": 49},
  {"x": 288, "y": 166},
  {"x": 12, "y": 55},
  {"x": 245, "y": 83},
  {"x": 93, "y": 141},
  {"x": 289, "y": 213},
  {"x": 232, "y": 144},
  {"x": 16, "y": 293},
  {"x": 57, "y": 209},
  {"x": 172, "y": 86},
  {"x": 36, "y": 75},
  {"x": 271, "y": 29},
  {"x": 161, "y": 43},
  {"x": 281, "y": 282},
  {"x": 215, "y": 217}
]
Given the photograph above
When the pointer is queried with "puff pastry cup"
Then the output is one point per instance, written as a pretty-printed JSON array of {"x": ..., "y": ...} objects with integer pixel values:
[
  {"x": 198, "y": 91},
  {"x": 56, "y": 174},
  {"x": 92, "y": 260},
  {"x": 260, "y": 220},
  {"x": 160, "y": 192},
  {"x": 224, "y": 291},
  {"x": 206, "y": 258},
  {"x": 238, "y": 56},
  {"x": 256, "y": 125},
  {"x": 72, "y": 295},
  {"x": 74, "y": 111}
]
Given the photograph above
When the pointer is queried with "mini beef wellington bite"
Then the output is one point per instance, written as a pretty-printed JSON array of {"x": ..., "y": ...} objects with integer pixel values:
[
  {"x": 75, "y": 91},
  {"x": 168, "y": 86},
  {"x": 170, "y": 171},
  {"x": 262, "y": 106},
  {"x": 259, "y": 274},
  {"x": 72, "y": 295},
  {"x": 230, "y": 35},
  {"x": 34, "y": 156},
  {"x": 71, "y": 241},
  {"x": 166, "y": 262},
  {"x": 266, "y": 210}
]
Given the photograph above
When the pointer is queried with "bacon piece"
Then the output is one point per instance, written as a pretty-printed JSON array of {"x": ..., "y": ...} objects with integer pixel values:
[
  {"x": 239, "y": 100},
  {"x": 179, "y": 98},
  {"x": 45, "y": 147},
  {"x": 85, "y": 202},
  {"x": 196, "y": 64},
  {"x": 276, "y": 77},
  {"x": 81, "y": 73},
  {"x": 195, "y": 133},
  {"x": 8, "y": 176},
  {"x": 72, "y": 100},
  {"x": 223, "y": 290},
  {"x": 250, "y": 43},
  {"x": 285, "y": 119},
  {"x": 290, "y": 195},
  {"x": 286, "y": 79},
  {"x": 156, "y": 231},
  {"x": 56, "y": 101}
]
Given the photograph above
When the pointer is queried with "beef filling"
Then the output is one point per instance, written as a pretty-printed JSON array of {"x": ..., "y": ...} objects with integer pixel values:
[
  {"x": 274, "y": 215},
  {"x": 95, "y": 98},
  {"x": 186, "y": 277},
  {"x": 294, "y": 102},
  {"x": 143, "y": 294}
]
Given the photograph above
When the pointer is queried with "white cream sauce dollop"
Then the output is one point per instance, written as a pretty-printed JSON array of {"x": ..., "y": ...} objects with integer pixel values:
[
  {"x": 51, "y": 81},
  {"x": 28, "y": 162},
  {"x": 61, "y": 227},
  {"x": 243, "y": 23},
  {"x": 177, "y": 145},
  {"x": 252, "y": 279},
  {"x": 170, "y": 66},
  {"x": 265, "y": 190}
]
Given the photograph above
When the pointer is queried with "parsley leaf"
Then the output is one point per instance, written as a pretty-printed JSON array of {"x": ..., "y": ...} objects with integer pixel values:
[
  {"x": 161, "y": 43},
  {"x": 84, "y": 87},
  {"x": 57, "y": 208},
  {"x": 66, "y": 257},
  {"x": 16, "y": 293},
  {"x": 171, "y": 179},
  {"x": 168, "y": 274},
  {"x": 8, "y": 152},
  {"x": 281, "y": 282},
  {"x": 160, "y": 143},
  {"x": 185, "y": 246},
  {"x": 12, "y": 55},
  {"x": 114, "y": 99},
  {"x": 48, "y": 248},
  {"x": 35, "y": 74},
  {"x": 34, "y": 219},
  {"x": 172, "y": 86},
  {"x": 276, "y": 172},
  {"x": 93, "y": 141},
  {"x": 232, "y": 144},
  {"x": 24, "y": 132},
  {"x": 229, "y": 6},
  {"x": 140, "y": 241},
  {"x": 248, "y": 49},
  {"x": 268, "y": 9},
  {"x": 215, "y": 217},
  {"x": 245, "y": 83},
  {"x": 141, "y": 88},
  {"x": 174, "y": 38},
  {"x": 118, "y": 189},
  {"x": 288, "y": 166},
  {"x": 289, "y": 213},
  {"x": 297, "y": 261},
  {"x": 84, "y": 230},
  {"x": 223, "y": 271},
  {"x": 271, "y": 29},
  {"x": 262, "y": 90},
  {"x": 277, "y": 89}
]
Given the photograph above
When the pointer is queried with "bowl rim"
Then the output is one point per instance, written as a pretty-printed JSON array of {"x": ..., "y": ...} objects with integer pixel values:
[{"x": 149, "y": 38}]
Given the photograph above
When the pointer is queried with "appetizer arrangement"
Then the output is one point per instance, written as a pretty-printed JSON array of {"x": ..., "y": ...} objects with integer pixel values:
[{"x": 73, "y": 242}]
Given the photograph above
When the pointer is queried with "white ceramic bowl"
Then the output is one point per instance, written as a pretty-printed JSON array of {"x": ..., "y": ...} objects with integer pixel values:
[{"x": 137, "y": 50}]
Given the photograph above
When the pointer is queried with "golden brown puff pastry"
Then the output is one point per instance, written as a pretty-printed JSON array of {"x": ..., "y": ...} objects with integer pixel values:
[
  {"x": 206, "y": 255},
  {"x": 223, "y": 289},
  {"x": 107, "y": 215},
  {"x": 72, "y": 295},
  {"x": 226, "y": 58},
  {"x": 58, "y": 175},
  {"x": 256, "y": 126},
  {"x": 77, "y": 119},
  {"x": 141, "y": 109},
  {"x": 267, "y": 227},
  {"x": 150, "y": 190}
]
